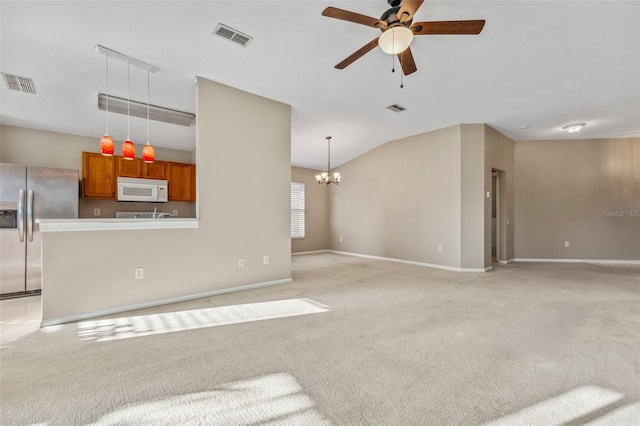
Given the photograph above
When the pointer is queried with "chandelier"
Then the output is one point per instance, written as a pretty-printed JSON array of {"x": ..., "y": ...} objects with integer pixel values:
[{"x": 327, "y": 177}]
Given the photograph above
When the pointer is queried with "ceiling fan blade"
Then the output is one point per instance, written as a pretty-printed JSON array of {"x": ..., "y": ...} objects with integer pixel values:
[
  {"x": 357, "y": 54},
  {"x": 407, "y": 62},
  {"x": 345, "y": 15},
  {"x": 408, "y": 9},
  {"x": 448, "y": 27}
]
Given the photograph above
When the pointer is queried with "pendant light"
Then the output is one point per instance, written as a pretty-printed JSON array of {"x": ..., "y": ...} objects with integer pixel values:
[
  {"x": 128, "y": 149},
  {"x": 326, "y": 177},
  {"x": 106, "y": 143},
  {"x": 148, "y": 155}
]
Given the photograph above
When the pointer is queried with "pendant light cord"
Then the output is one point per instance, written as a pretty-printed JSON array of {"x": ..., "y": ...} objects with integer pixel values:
[
  {"x": 329, "y": 157},
  {"x": 107, "y": 129},
  {"x": 147, "y": 106},
  {"x": 128, "y": 102}
]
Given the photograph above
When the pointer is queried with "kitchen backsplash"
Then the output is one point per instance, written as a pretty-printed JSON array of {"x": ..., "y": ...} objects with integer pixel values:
[{"x": 108, "y": 208}]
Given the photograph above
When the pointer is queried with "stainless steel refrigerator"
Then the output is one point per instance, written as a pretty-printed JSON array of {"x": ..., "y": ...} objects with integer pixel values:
[{"x": 28, "y": 194}]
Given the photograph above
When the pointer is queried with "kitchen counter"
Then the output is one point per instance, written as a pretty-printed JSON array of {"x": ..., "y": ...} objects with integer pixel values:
[{"x": 66, "y": 225}]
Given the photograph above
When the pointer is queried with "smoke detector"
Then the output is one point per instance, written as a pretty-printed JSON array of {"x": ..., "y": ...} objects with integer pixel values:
[{"x": 20, "y": 84}]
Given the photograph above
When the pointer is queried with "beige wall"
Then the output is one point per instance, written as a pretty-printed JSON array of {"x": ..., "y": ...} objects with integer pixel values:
[
  {"x": 38, "y": 148},
  {"x": 317, "y": 232},
  {"x": 433, "y": 192},
  {"x": 239, "y": 217},
  {"x": 473, "y": 201},
  {"x": 563, "y": 191},
  {"x": 401, "y": 200}
]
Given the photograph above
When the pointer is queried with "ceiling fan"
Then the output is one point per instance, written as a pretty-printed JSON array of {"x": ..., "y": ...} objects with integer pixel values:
[{"x": 398, "y": 29}]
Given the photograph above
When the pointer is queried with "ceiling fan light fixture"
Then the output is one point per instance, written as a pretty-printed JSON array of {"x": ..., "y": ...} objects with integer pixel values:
[{"x": 395, "y": 40}]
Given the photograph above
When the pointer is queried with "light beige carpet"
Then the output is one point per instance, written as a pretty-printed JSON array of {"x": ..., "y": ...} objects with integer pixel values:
[{"x": 350, "y": 342}]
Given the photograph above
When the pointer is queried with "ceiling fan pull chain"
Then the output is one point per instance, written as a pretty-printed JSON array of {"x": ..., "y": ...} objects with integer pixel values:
[
  {"x": 393, "y": 61},
  {"x": 401, "y": 80}
]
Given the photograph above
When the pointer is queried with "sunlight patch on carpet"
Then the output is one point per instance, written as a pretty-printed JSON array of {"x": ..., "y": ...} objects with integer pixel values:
[
  {"x": 273, "y": 399},
  {"x": 146, "y": 325},
  {"x": 627, "y": 415},
  {"x": 562, "y": 408}
]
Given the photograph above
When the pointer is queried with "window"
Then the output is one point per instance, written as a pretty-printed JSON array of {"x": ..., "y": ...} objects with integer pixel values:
[{"x": 297, "y": 210}]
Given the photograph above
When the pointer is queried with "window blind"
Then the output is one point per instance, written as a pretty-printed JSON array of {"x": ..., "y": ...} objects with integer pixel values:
[{"x": 297, "y": 210}]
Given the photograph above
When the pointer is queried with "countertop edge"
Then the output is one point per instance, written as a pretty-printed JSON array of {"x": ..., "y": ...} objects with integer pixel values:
[{"x": 70, "y": 225}]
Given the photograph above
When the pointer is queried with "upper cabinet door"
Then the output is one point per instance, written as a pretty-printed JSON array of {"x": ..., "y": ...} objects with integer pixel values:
[
  {"x": 182, "y": 181},
  {"x": 155, "y": 170},
  {"x": 129, "y": 168},
  {"x": 98, "y": 176}
]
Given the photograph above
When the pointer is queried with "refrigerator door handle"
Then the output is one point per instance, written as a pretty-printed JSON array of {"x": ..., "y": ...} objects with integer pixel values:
[
  {"x": 21, "y": 216},
  {"x": 30, "y": 215}
]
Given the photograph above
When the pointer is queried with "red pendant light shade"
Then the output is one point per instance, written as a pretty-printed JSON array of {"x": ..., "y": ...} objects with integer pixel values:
[
  {"x": 106, "y": 146},
  {"x": 128, "y": 150},
  {"x": 148, "y": 155}
]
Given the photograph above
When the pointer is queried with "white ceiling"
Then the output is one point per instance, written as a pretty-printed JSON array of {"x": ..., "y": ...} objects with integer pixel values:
[{"x": 543, "y": 64}]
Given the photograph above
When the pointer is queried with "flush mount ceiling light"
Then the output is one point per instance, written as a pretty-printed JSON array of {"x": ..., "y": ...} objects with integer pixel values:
[
  {"x": 327, "y": 177},
  {"x": 395, "y": 40},
  {"x": 574, "y": 128}
]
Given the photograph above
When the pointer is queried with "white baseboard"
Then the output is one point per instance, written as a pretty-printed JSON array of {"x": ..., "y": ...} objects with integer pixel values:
[
  {"x": 506, "y": 262},
  {"x": 411, "y": 262},
  {"x": 310, "y": 252},
  {"x": 103, "y": 312},
  {"x": 596, "y": 261}
]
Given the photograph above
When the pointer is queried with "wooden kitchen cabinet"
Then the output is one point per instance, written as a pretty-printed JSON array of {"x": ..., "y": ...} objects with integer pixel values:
[
  {"x": 182, "y": 181},
  {"x": 100, "y": 173},
  {"x": 98, "y": 176},
  {"x": 155, "y": 170},
  {"x": 128, "y": 168}
]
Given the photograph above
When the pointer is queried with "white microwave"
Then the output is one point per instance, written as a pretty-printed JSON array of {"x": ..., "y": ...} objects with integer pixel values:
[{"x": 147, "y": 190}]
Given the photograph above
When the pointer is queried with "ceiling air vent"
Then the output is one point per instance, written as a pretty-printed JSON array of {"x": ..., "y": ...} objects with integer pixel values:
[
  {"x": 232, "y": 35},
  {"x": 21, "y": 84},
  {"x": 396, "y": 108}
]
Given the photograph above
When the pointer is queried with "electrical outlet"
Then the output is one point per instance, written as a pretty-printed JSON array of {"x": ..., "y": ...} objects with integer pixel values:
[
  {"x": 566, "y": 243},
  {"x": 340, "y": 239},
  {"x": 138, "y": 273},
  {"x": 439, "y": 249},
  {"x": 96, "y": 212},
  {"x": 240, "y": 263},
  {"x": 175, "y": 212},
  {"x": 266, "y": 260}
]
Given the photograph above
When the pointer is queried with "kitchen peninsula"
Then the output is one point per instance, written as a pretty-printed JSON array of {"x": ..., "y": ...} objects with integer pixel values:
[
  {"x": 89, "y": 264},
  {"x": 65, "y": 225}
]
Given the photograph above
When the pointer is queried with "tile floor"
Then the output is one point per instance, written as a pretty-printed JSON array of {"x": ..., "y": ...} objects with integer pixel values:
[{"x": 19, "y": 316}]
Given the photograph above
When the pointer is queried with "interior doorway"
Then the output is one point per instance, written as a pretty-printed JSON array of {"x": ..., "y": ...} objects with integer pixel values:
[{"x": 495, "y": 216}]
